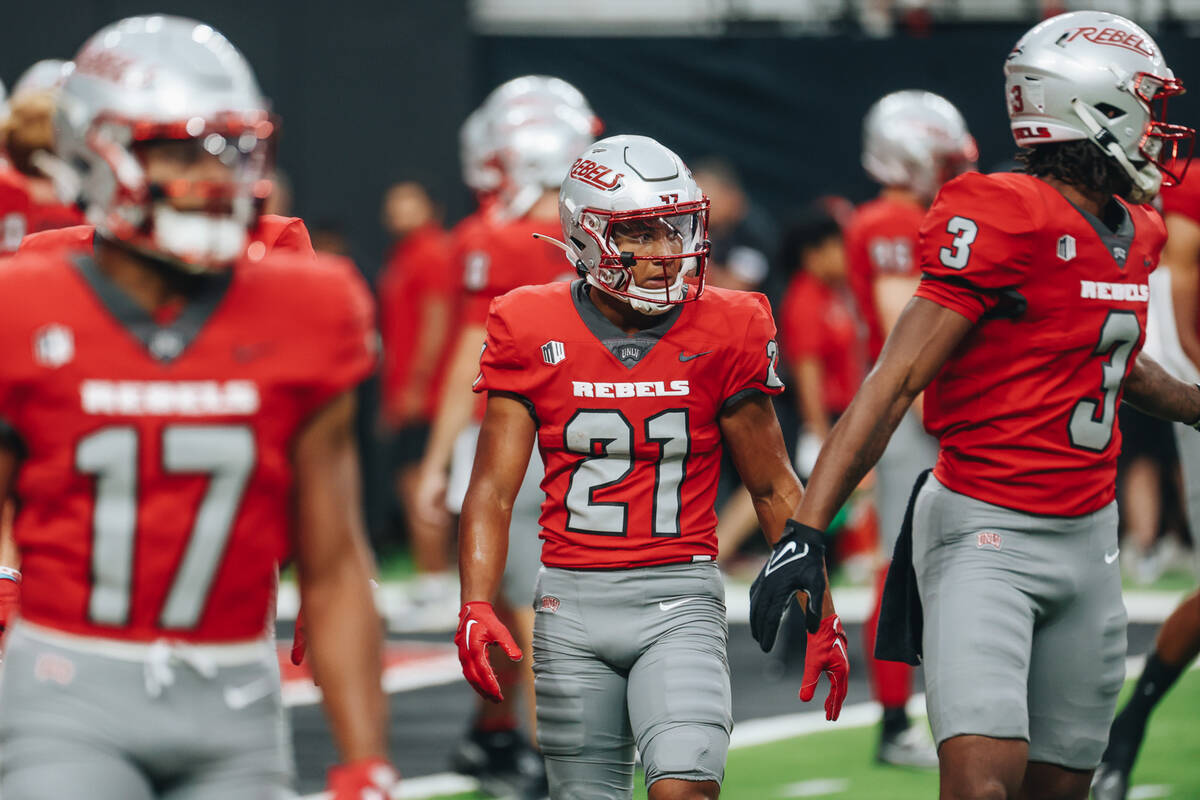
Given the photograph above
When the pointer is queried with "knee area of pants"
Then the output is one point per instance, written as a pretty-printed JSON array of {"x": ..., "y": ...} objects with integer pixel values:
[
  {"x": 560, "y": 728},
  {"x": 690, "y": 752}
]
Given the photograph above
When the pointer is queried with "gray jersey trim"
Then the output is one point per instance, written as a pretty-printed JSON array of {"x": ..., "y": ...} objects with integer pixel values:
[
  {"x": 628, "y": 349},
  {"x": 164, "y": 343},
  {"x": 1117, "y": 241}
]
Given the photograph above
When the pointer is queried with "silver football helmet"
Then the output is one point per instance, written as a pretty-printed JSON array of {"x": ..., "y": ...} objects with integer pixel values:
[
  {"x": 625, "y": 181},
  {"x": 49, "y": 74},
  {"x": 534, "y": 150},
  {"x": 476, "y": 154},
  {"x": 1098, "y": 76},
  {"x": 917, "y": 140},
  {"x": 541, "y": 92},
  {"x": 155, "y": 78}
]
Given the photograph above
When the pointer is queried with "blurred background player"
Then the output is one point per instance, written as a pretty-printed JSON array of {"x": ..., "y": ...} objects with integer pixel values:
[
  {"x": 1172, "y": 337},
  {"x": 742, "y": 234},
  {"x": 28, "y": 199},
  {"x": 418, "y": 293},
  {"x": 913, "y": 142},
  {"x": 155, "y": 620},
  {"x": 535, "y": 128}
]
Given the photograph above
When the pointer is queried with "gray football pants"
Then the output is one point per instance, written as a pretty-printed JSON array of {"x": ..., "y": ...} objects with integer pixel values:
[
  {"x": 1187, "y": 443},
  {"x": 1024, "y": 624},
  {"x": 909, "y": 452},
  {"x": 631, "y": 656},
  {"x": 77, "y": 724}
]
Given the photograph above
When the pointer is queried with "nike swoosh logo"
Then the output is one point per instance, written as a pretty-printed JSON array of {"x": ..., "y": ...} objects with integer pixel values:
[
  {"x": 238, "y": 697},
  {"x": 665, "y": 606},
  {"x": 1108, "y": 559},
  {"x": 683, "y": 357},
  {"x": 838, "y": 644},
  {"x": 778, "y": 559},
  {"x": 470, "y": 622}
]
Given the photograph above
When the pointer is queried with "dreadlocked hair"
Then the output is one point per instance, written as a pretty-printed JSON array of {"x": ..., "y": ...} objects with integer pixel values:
[{"x": 1080, "y": 163}]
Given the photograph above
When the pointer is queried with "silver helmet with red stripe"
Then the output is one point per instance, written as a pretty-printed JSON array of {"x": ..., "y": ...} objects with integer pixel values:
[
  {"x": 1097, "y": 76},
  {"x": 155, "y": 80}
]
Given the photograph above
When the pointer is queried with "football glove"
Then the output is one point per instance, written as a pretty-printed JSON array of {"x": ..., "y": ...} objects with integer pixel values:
[
  {"x": 797, "y": 564},
  {"x": 479, "y": 629},
  {"x": 10, "y": 597},
  {"x": 299, "y": 639},
  {"x": 826, "y": 652},
  {"x": 364, "y": 779}
]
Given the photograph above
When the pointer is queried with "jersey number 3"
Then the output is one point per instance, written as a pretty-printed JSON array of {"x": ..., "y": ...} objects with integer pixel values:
[
  {"x": 225, "y": 453},
  {"x": 1091, "y": 426}
]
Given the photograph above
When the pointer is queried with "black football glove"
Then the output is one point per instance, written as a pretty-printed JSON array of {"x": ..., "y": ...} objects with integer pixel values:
[{"x": 796, "y": 565}]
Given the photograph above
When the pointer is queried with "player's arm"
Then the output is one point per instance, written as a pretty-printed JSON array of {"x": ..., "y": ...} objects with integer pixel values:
[
  {"x": 1154, "y": 391},
  {"x": 9, "y": 461},
  {"x": 501, "y": 458},
  {"x": 892, "y": 293},
  {"x": 1181, "y": 255},
  {"x": 453, "y": 414},
  {"x": 924, "y": 337},
  {"x": 810, "y": 382},
  {"x": 334, "y": 567},
  {"x": 434, "y": 327}
]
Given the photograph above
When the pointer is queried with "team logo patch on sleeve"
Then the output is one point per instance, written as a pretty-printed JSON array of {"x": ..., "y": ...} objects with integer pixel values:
[
  {"x": 53, "y": 345},
  {"x": 553, "y": 352},
  {"x": 1066, "y": 247}
]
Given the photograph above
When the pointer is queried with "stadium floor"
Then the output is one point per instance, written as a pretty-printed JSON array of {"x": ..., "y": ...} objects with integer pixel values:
[{"x": 430, "y": 703}]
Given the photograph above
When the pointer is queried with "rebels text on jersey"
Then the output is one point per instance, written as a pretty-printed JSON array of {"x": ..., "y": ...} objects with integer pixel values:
[
  {"x": 1026, "y": 407},
  {"x": 627, "y": 425},
  {"x": 155, "y": 491}
]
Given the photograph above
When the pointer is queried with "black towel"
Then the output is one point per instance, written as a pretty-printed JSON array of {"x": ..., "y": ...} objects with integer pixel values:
[{"x": 901, "y": 619}]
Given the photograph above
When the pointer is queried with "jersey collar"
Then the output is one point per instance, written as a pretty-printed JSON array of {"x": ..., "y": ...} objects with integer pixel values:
[{"x": 629, "y": 349}]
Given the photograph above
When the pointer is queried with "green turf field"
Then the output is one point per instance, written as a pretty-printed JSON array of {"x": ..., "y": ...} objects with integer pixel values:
[{"x": 838, "y": 764}]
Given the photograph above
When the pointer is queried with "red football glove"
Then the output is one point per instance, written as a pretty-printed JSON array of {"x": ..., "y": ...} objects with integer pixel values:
[
  {"x": 10, "y": 597},
  {"x": 826, "y": 652},
  {"x": 479, "y": 629},
  {"x": 365, "y": 779},
  {"x": 299, "y": 640}
]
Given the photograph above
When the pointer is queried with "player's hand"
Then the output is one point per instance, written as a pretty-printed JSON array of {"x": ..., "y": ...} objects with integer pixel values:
[
  {"x": 826, "y": 652},
  {"x": 797, "y": 564},
  {"x": 430, "y": 495},
  {"x": 299, "y": 639},
  {"x": 364, "y": 779},
  {"x": 10, "y": 597},
  {"x": 479, "y": 629}
]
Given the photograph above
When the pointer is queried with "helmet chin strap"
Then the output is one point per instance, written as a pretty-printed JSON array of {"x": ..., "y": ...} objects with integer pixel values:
[
  {"x": 1146, "y": 181},
  {"x": 189, "y": 235}
]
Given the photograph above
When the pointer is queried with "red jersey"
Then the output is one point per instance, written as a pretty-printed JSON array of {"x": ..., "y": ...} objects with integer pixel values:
[
  {"x": 627, "y": 425},
  {"x": 500, "y": 256},
  {"x": 1026, "y": 407},
  {"x": 820, "y": 322},
  {"x": 271, "y": 232},
  {"x": 1184, "y": 200},
  {"x": 418, "y": 270},
  {"x": 156, "y": 488},
  {"x": 21, "y": 213},
  {"x": 881, "y": 239}
]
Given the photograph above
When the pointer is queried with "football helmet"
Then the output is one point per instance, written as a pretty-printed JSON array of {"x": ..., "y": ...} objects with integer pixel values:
[
  {"x": 46, "y": 75},
  {"x": 1098, "y": 76},
  {"x": 155, "y": 78},
  {"x": 917, "y": 140},
  {"x": 479, "y": 171},
  {"x": 634, "y": 179},
  {"x": 534, "y": 150},
  {"x": 541, "y": 92}
]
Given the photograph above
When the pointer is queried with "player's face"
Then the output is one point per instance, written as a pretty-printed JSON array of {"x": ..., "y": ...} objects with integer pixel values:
[
  {"x": 187, "y": 170},
  {"x": 649, "y": 238}
]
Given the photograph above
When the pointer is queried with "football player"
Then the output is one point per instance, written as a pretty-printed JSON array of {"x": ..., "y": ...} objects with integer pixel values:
[
  {"x": 1173, "y": 321},
  {"x": 913, "y": 142},
  {"x": 535, "y": 127},
  {"x": 28, "y": 198},
  {"x": 632, "y": 378},
  {"x": 1026, "y": 328},
  {"x": 177, "y": 421}
]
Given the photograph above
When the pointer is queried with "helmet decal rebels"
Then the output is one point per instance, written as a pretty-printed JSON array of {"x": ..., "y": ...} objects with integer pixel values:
[{"x": 596, "y": 175}]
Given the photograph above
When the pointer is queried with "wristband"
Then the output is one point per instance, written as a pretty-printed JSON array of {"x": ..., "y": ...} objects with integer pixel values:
[{"x": 10, "y": 574}]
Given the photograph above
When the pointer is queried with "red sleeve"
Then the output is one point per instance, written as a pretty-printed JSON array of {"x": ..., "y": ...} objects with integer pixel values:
[
  {"x": 975, "y": 243},
  {"x": 341, "y": 331},
  {"x": 753, "y": 365},
  {"x": 501, "y": 367},
  {"x": 1183, "y": 199},
  {"x": 284, "y": 233}
]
